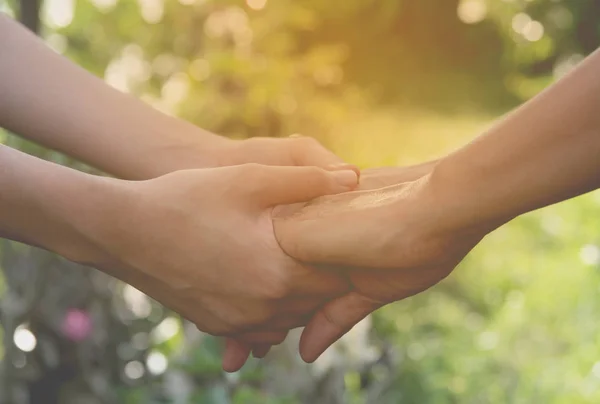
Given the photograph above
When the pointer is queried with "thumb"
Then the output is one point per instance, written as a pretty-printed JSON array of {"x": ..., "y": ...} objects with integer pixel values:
[
  {"x": 307, "y": 151},
  {"x": 334, "y": 320},
  {"x": 331, "y": 230},
  {"x": 286, "y": 185}
]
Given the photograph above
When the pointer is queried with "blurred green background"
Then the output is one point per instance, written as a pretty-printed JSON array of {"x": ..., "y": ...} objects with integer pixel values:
[{"x": 384, "y": 82}]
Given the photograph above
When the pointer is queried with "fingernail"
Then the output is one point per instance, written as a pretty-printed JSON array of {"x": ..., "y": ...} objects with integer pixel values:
[
  {"x": 346, "y": 178},
  {"x": 344, "y": 166}
]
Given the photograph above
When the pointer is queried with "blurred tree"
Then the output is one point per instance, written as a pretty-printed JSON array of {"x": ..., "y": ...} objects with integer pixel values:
[
  {"x": 29, "y": 14},
  {"x": 515, "y": 326}
]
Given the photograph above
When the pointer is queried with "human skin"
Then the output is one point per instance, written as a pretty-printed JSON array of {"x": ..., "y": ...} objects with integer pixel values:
[
  {"x": 199, "y": 241},
  {"x": 236, "y": 350},
  {"x": 399, "y": 240},
  {"x": 51, "y": 101},
  {"x": 47, "y": 99}
]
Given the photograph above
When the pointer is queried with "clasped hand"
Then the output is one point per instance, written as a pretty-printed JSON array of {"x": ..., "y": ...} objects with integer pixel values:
[
  {"x": 264, "y": 261},
  {"x": 388, "y": 241}
]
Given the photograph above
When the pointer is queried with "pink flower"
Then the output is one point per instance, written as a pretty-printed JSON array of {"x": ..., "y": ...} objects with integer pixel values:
[{"x": 76, "y": 325}]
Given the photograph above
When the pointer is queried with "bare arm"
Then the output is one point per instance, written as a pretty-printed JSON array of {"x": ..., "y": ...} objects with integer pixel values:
[
  {"x": 41, "y": 202},
  {"x": 546, "y": 151},
  {"x": 165, "y": 235},
  {"x": 46, "y": 98},
  {"x": 50, "y": 100},
  {"x": 400, "y": 240}
]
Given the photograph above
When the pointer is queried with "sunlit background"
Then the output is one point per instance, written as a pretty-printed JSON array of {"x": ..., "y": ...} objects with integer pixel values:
[{"x": 385, "y": 82}]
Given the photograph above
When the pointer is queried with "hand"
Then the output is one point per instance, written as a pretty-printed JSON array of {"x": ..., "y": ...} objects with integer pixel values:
[
  {"x": 192, "y": 150},
  {"x": 391, "y": 243},
  {"x": 236, "y": 351},
  {"x": 295, "y": 150},
  {"x": 201, "y": 242}
]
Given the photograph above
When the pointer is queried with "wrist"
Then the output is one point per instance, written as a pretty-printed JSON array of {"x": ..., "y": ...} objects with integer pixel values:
[
  {"x": 42, "y": 202},
  {"x": 77, "y": 211},
  {"x": 467, "y": 196},
  {"x": 97, "y": 221},
  {"x": 183, "y": 146}
]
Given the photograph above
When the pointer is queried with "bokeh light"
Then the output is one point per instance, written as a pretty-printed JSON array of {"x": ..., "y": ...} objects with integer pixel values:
[
  {"x": 24, "y": 339},
  {"x": 166, "y": 330},
  {"x": 256, "y": 4},
  {"x": 134, "y": 370},
  {"x": 381, "y": 84},
  {"x": 59, "y": 13},
  {"x": 472, "y": 11},
  {"x": 157, "y": 363}
]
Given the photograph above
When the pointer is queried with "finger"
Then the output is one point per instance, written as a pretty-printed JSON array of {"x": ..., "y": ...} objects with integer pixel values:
[
  {"x": 261, "y": 350},
  {"x": 236, "y": 354},
  {"x": 331, "y": 322},
  {"x": 285, "y": 185},
  {"x": 328, "y": 234},
  {"x": 307, "y": 151}
]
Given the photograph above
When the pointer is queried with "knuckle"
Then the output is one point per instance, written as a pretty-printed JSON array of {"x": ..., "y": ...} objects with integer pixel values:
[
  {"x": 259, "y": 314},
  {"x": 276, "y": 291},
  {"x": 243, "y": 321},
  {"x": 306, "y": 142},
  {"x": 277, "y": 288},
  {"x": 222, "y": 330},
  {"x": 332, "y": 318},
  {"x": 316, "y": 172},
  {"x": 318, "y": 177},
  {"x": 248, "y": 322},
  {"x": 278, "y": 338},
  {"x": 260, "y": 317}
]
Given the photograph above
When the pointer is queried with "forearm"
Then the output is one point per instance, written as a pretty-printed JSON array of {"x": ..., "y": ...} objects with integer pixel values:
[
  {"x": 546, "y": 151},
  {"x": 47, "y": 205},
  {"x": 374, "y": 178},
  {"x": 49, "y": 100}
]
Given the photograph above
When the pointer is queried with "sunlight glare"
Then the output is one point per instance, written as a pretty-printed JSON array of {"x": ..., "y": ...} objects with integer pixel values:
[{"x": 472, "y": 11}]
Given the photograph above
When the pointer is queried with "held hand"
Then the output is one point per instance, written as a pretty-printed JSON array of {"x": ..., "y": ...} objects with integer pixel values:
[
  {"x": 236, "y": 351},
  {"x": 295, "y": 150},
  {"x": 202, "y": 243},
  {"x": 391, "y": 243},
  {"x": 193, "y": 151}
]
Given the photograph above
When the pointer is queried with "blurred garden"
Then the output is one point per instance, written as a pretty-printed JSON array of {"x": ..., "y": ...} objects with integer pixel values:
[{"x": 384, "y": 82}]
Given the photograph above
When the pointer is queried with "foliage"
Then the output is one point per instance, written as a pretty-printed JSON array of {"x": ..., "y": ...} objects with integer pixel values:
[{"x": 382, "y": 83}]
